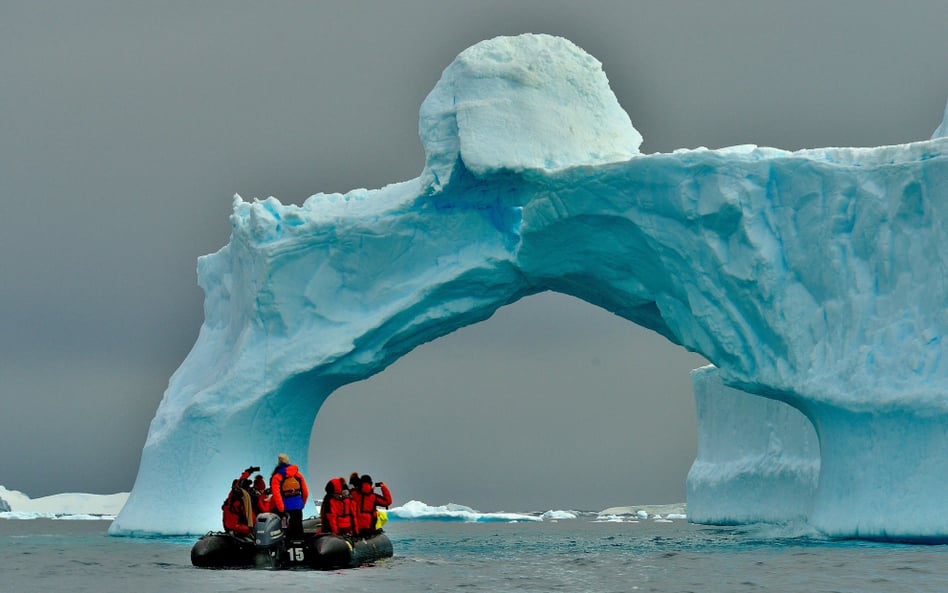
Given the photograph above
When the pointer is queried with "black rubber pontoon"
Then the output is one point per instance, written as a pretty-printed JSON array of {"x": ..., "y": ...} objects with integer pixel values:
[{"x": 271, "y": 549}]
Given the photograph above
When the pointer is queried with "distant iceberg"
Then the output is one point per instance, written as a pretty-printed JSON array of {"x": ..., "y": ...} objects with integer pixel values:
[
  {"x": 415, "y": 510},
  {"x": 81, "y": 506},
  {"x": 643, "y": 512},
  {"x": 16, "y": 505},
  {"x": 817, "y": 278},
  {"x": 552, "y": 515}
]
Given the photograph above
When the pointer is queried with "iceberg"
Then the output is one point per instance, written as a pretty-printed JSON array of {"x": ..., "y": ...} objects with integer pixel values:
[
  {"x": 70, "y": 505},
  {"x": 815, "y": 278},
  {"x": 415, "y": 510},
  {"x": 636, "y": 513}
]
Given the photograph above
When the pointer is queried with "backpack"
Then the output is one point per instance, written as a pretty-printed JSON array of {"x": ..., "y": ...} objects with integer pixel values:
[{"x": 291, "y": 487}]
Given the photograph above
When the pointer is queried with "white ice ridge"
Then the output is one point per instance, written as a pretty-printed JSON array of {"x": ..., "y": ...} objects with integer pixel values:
[{"x": 815, "y": 277}]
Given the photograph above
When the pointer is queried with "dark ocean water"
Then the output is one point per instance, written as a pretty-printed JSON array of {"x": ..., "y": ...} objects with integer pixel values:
[{"x": 576, "y": 555}]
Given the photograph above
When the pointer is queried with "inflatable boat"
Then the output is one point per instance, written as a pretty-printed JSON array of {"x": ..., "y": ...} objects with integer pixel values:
[{"x": 271, "y": 549}]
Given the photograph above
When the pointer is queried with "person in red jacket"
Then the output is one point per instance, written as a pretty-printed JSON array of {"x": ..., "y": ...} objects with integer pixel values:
[
  {"x": 336, "y": 513},
  {"x": 238, "y": 516},
  {"x": 289, "y": 491},
  {"x": 367, "y": 502},
  {"x": 261, "y": 496}
]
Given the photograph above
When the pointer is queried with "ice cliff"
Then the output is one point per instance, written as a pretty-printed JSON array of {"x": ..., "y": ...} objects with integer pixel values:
[
  {"x": 758, "y": 458},
  {"x": 814, "y": 278}
]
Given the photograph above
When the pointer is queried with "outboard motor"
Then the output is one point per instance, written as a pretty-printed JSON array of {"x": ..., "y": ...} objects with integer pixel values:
[
  {"x": 268, "y": 531},
  {"x": 271, "y": 541}
]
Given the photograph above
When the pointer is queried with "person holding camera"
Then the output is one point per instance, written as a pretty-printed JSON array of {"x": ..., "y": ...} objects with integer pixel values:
[
  {"x": 238, "y": 515},
  {"x": 367, "y": 502}
]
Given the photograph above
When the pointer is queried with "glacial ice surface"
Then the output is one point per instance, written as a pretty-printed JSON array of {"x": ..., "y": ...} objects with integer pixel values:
[
  {"x": 758, "y": 458},
  {"x": 815, "y": 278}
]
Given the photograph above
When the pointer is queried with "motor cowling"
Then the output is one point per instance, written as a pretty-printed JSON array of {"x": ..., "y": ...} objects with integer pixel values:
[{"x": 269, "y": 530}]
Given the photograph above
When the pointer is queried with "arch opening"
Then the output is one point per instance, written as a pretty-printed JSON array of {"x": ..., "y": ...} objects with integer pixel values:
[{"x": 551, "y": 402}]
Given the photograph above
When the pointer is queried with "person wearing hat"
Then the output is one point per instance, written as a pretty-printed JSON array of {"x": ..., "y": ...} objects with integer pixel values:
[
  {"x": 238, "y": 513},
  {"x": 238, "y": 518},
  {"x": 336, "y": 512},
  {"x": 366, "y": 503},
  {"x": 261, "y": 496},
  {"x": 289, "y": 492}
]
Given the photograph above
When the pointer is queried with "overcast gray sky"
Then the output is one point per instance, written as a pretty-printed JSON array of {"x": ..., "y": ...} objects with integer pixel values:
[{"x": 126, "y": 127}]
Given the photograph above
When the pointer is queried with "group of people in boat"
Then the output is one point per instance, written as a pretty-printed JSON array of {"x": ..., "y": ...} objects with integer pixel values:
[
  {"x": 353, "y": 508},
  {"x": 348, "y": 508}
]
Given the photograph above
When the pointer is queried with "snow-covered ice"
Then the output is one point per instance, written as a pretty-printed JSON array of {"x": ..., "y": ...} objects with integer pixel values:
[
  {"x": 75, "y": 505},
  {"x": 815, "y": 278},
  {"x": 417, "y": 510}
]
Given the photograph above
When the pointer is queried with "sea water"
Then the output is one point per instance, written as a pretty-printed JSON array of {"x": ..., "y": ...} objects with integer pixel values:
[{"x": 574, "y": 555}]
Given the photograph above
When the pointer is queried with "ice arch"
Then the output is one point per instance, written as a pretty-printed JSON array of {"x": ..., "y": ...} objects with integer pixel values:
[{"x": 814, "y": 277}]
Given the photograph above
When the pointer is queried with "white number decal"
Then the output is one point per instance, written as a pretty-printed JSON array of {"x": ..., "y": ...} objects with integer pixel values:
[{"x": 296, "y": 554}]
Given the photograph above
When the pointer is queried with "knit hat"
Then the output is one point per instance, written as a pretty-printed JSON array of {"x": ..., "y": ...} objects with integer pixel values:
[{"x": 283, "y": 458}]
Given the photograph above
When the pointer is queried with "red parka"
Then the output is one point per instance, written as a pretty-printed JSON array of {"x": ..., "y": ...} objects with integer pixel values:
[
  {"x": 238, "y": 516},
  {"x": 367, "y": 502},
  {"x": 336, "y": 512}
]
